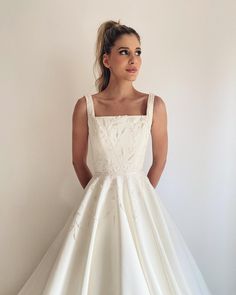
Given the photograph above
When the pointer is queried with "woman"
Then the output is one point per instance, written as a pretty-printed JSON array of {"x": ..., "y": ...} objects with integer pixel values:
[{"x": 121, "y": 240}]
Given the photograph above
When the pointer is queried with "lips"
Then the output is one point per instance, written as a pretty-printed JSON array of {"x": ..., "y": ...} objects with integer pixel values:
[{"x": 132, "y": 70}]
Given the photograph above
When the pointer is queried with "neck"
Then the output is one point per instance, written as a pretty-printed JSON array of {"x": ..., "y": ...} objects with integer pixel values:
[{"x": 120, "y": 89}]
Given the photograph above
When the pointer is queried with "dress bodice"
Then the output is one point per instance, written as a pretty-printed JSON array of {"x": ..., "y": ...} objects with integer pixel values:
[{"x": 118, "y": 143}]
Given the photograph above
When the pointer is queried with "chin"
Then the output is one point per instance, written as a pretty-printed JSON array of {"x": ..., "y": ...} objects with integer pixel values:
[{"x": 131, "y": 79}]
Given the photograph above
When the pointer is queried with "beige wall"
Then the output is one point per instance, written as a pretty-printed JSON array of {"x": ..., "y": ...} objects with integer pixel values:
[{"x": 46, "y": 62}]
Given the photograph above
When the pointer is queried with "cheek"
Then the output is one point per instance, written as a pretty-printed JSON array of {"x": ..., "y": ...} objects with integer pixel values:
[{"x": 120, "y": 59}]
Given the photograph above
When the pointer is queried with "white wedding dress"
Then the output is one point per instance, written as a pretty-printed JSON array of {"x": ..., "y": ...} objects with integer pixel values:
[{"x": 120, "y": 240}]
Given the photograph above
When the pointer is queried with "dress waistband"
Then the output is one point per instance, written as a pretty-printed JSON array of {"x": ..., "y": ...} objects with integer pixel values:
[{"x": 118, "y": 173}]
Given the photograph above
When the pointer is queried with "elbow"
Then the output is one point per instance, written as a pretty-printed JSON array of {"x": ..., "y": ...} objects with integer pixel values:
[
  {"x": 78, "y": 163},
  {"x": 159, "y": 163}
]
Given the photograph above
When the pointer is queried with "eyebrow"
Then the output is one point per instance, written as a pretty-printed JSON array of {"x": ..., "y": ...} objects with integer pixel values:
[{"x": 127, "y": 48}]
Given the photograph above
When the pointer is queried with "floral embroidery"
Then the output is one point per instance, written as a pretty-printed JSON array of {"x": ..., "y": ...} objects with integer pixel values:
[{"x": 118, "y": 146}]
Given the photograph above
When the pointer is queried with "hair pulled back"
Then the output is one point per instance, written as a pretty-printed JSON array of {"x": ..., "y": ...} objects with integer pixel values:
[{"x": 107, "y": 34}]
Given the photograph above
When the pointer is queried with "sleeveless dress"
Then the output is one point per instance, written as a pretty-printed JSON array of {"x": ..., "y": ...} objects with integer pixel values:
[{"x": 120, "y": 240}]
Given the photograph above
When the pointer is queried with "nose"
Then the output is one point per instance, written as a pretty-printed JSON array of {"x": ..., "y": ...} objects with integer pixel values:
[{"x": 132, "y": 58}]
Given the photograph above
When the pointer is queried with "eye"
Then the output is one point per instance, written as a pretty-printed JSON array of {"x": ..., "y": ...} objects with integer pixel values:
[{"x": 124, "y": 50}]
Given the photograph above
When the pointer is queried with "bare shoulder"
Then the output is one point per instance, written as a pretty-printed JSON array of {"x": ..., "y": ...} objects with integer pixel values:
[
  {"x": 159, "y": 102},
  {"x": 80, "y": 108},
  {"x": 159, "y": 105}
]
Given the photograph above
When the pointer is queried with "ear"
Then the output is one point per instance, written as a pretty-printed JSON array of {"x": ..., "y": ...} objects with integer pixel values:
[{"x": 105, "y": 60}]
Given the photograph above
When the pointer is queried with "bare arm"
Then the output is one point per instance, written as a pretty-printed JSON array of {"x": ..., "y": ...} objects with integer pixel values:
[
  {"x": 159, "y": 141},
  {"x": 80, "y": 142}
]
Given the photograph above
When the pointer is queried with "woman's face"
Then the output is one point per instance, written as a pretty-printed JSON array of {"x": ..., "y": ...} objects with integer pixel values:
[{"x": 125, "y": 54}]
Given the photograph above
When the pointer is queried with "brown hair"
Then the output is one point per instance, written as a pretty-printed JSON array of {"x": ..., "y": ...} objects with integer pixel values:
[{"x": 107, "y": 34}]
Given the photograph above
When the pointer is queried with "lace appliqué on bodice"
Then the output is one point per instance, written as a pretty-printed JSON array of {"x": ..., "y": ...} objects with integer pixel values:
[{"x": 118, "y": 143}]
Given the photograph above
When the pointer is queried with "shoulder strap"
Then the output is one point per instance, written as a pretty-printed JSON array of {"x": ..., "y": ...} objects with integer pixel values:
[
  {"x": 89, "y": 102},
  {"x": 150, "y": 107}
]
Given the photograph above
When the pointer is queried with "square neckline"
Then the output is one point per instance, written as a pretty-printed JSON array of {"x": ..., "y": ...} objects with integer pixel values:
[{"x": 119, "y": 116}]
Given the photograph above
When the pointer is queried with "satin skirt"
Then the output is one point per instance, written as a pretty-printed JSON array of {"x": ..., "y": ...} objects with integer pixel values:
[{"x": 120, "y": 240}]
